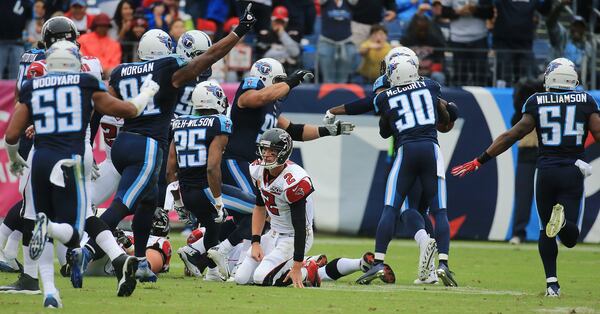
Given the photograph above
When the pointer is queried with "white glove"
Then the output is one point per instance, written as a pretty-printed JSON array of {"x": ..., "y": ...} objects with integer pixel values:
[
  {"x": 339, "y": 128},
  {"x": 221, "y": 211},
  {"x": 16, "y": 162},
  {"x": 329, "y": 118},
  {"x": 147, "y": 91},
  {"x": 95, "y": 171}
]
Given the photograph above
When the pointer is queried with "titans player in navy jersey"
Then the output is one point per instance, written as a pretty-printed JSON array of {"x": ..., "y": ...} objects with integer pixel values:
[
  {"x": 410, "y": 110},
  {"x": 256, "y": 109},
  {"x": 59, "y": 105},
  {"x": 562, "y": 118},
  {"x": 137, "y": 152}
]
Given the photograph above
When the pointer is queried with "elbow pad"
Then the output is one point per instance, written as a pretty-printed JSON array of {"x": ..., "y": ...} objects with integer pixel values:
[{"x": 295, "y": 131}]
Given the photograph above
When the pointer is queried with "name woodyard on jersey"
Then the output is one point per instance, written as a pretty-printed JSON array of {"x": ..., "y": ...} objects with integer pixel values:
[
  {"x": 56, "y": 80},
  {"x": 561, "y": 98},
  {"x": 137, "y": 69},
  {"x": 178, "y": 124},
  {"x": 394, "y": 91}
]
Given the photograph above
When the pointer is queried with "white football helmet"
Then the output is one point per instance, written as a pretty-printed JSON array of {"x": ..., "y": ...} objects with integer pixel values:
[
  {"x": 401, "y": 51},
  {"x": 560, "y": 74},
  {"x": 63, "y": 56},
  {"x": 402, "y": 70},
  {"x": 154, "y": 44},
  {"x": 209, "y": 95},
  {"x": 268, "y": 70},
  {"x": 193, "y": 43}
]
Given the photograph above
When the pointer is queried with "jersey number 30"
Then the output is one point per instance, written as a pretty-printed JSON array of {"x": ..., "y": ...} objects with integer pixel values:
[{"x": 421, "y": 113}]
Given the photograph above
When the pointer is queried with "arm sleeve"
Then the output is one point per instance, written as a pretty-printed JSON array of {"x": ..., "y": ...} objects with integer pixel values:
[
  {"x": 298, "y": 211},
  {"x": 359, "y": 106},
  {"x": 94, "y": 125}
]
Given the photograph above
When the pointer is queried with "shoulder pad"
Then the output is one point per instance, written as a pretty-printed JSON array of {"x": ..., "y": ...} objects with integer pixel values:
[
  {"x": 252, "y": 83},
  {"x": 256, "y": 170},
  {"x": 381, "y": 82}
]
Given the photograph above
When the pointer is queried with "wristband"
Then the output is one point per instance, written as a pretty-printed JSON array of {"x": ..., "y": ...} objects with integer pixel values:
[
  {"x": 218, "y": 201},
  {"x": 255, "y": 239},
  {"x": 483, "y": 158},
  {"x": 298, "y": 257},
  {"x": 324, "y": 131}
]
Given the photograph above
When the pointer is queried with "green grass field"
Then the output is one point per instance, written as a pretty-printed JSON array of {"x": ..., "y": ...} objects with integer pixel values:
[{"x": 493, "y": 278}]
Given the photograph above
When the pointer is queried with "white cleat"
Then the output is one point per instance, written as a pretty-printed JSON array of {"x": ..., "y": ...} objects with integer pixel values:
[
  {"x": 213, "y": 274},
  {"x": 53, "y": 301},
  {"x": 556, "y": 222},
  {"x": 190, "y": 256},
  {"x": 427, "y": 259},
  {"x": 432, "y": 279},
  {"x": 220, "y": 260}
]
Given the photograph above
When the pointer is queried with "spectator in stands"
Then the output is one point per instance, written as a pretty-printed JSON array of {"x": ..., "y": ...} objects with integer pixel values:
[
  {"x": 123, "y": 19},
  {"x": 367, "y": 13},
  {"x": 469, "y": 38},
  {"x": 302, "y": 17},
  {"x": 571, "y": 44},
  {"x": 526, "y": 161},
  {"x": 438, "y": 20},
  {"x": 174, "y": 13},
  {"x": 132, "y": 37},
  {"x": 78, "y": 13},
  {"x": 34, "y": 27},
  {"x": 373, "y": 50},
  {"x": 176, "y": 29},
  {"x": 277, "y": 43},
  {"x": 53, "y": 6},
  {"x": 335, "y": 48},
  {"x": 98, "y": 44},
  {"x": 514, "y": 29},
  {"x": 156, "y": 15},
  {"x": 428, "y": 43},
  {"x": 262, "y": 10},
  {"x": 12, "y": 25},
  {"x": 207, "y": 26},
  {"x": 406, "y": 9}
]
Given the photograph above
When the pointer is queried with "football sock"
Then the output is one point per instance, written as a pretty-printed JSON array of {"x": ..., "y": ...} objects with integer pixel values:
[
  {"x": 225, "y": 247},
  {"x": 12, "y": 245},
  {"x": 13, "y": 219},
  {"x": 61, "y": 253},
  {"x": 569, "y": 234},
  {"x": 46, "y": 266},
  {"x": 30, "y": 267},
  {"x": 114, "y": 214},
  {"x": 109, "y": 245},
  {"x": 61, "y": 232},
  {"x": 413, "y": 221},
  {"x": 5, "y": 232},
  {"x": 385, "y": 231},
  {"x": 324, "y": 275},
  {"x": 421, "y": 237},
  {"x": 442, "y": 231},
  {"x": 548, "y": 252},
  {"x": 443, "y": 259},
  {"x": 141, "y": 225},
  {"x": 552, "y": 281},
  {"x": 339, "y": 268},
  {"x": 428, "y": 223}
]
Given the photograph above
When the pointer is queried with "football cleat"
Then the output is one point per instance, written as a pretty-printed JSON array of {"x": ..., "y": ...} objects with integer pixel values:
[
  {"x": 191, "y": 260},
  {"x": 65, "y": 270},
  {"x": 220, "y": 260},
  {"x": 388, "y": 274},
  {"x": 432, "y": 279},
  {"x": 557, "y": 221},
  {"x": 25, "y": 285},
  {"x": 10, "y": 266},
  {"x": 312, "y": 274},
  {"x": 426, "y": 259},
  {"x": 78, "y": 259},
  {"x": 367, "y": 261},
  {"x": 213, "y": 274},
  {"x": 52, "y": 301},
  {"x": 39, "y": 236},
  {"x": 377, "y": 271},
  {"x": 447, "y": 276},
  {"x": 144, "y": 273},
  {"x": 553, "y": 291},
  {"x": 321, "y": 260},
  {"x": 125, "y": 269},
  {"x": 515, "y": 240}
]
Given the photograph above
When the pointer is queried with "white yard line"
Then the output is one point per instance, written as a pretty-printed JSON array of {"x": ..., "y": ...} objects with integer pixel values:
[{"x": 424, "y": 289}]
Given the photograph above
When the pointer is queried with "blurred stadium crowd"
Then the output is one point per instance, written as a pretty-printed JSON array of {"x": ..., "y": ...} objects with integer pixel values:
[{"x": 459, "y": 42}]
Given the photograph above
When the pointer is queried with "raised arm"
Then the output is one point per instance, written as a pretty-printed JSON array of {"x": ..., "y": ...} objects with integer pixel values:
[
  {"x": 258, "y": 98},
  {"x": 308, "y": 132}
]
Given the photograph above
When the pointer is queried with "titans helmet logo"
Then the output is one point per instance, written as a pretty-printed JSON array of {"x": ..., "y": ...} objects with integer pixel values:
[
  {"x": 263, "y": 68},
  {"x": 215, "y": 90},
  {"x": 166, "y": 40},
  {"x": 187, "y": 40},
  {"x": 391, "y": 67},
  {"x": 411, "y": 61},
  {"x": 551, "y": 67}
]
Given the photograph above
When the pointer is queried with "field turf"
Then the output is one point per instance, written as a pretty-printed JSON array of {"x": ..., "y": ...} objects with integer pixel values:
[{"x": 493, "y": 278}]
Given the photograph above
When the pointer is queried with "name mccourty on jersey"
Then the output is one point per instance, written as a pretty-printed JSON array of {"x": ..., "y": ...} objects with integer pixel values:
[{"x": 561, "y": 98}]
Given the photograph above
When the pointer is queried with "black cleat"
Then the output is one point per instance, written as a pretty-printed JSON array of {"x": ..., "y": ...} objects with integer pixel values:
[
  {"x": 376, "y": 271},
  {"x": 447, "y": 277},
  {"x": 24, "y": 285},
  {"x": 65, "y": 270},
  {"x": 125, "y": 268}
]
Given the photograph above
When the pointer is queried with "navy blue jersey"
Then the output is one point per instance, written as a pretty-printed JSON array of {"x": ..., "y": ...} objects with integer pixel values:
[
  {"x": 27, "y": 58},
  {"x": 127, "y": 79},
  {"x": 410, "y": 110},
  {"x": 562, "y": 124},
  {"x": 60, "y": 105},
  {"x": 250, "y": 123},
  {"x": 184, "y": 97},
  {"x": 381, "y": 82},
  {"x": 192, "y": 136}
]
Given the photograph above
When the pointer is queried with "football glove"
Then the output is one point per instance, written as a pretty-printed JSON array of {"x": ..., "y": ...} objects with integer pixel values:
[
  {"x": 221, "y": 211},
  {"x": 466, "y": 168},
  {"x": 339, "y": 128},
  {"x": 329, "y": 118},
  {"x": 184, "y": 215},
  {"x": 247, "y": 20},
  {"x": 16, "y": 162},
  {"x": 147, "y": 91},
  {"x": 299, "y": 76}
]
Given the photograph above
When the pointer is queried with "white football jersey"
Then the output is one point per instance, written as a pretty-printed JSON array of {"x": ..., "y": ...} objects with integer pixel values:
[
  {"x": 110, "y": 129},
  {"x": 292, "y": 184}
]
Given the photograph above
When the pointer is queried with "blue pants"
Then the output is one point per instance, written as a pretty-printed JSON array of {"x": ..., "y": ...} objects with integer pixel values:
[
  {"x": 236, "y": 173},
  {"x": 61, "y": 204}
]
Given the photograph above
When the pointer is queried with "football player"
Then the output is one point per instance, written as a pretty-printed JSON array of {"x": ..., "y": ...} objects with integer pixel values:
[
  {"x": 410, "y": 110},
  {"x": 438, "y": 205},
  {"x": 257, "y": 108},
  {"x": 60, "y": 105},
  {"x": 137, "y": 151},
  {"x": 562, "y": 118},
  {"x": 284, "y": 194}
]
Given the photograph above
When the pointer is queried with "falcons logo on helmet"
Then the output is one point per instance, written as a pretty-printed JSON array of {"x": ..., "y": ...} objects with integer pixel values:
[{"x": 263, "y": 68}]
